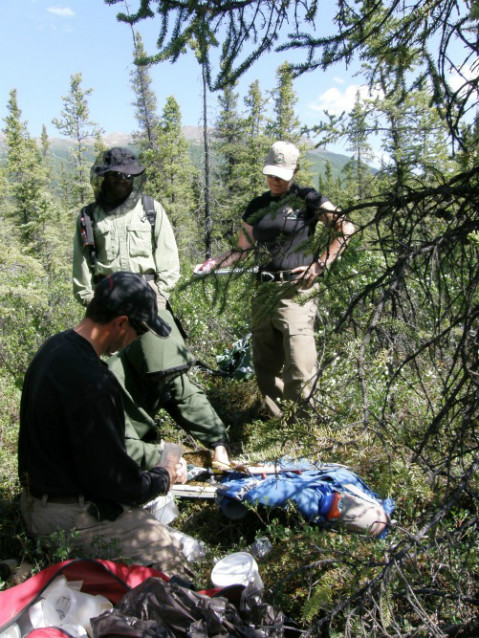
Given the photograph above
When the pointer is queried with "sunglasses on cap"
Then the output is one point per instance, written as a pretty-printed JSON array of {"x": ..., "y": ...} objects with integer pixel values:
[{"x": 116, "y": 175}]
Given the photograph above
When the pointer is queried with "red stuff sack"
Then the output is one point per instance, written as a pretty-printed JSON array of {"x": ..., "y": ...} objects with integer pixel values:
[{"x": 103, "y": 577}]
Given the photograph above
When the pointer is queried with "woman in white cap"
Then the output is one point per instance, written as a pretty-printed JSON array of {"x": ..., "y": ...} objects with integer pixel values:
[{"x": 279, "y": 225}]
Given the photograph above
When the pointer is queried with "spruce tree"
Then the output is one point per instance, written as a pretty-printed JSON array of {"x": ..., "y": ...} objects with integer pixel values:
[
  {"x": 357, "y": 135},
  {"x": 329, "y": 186},
  {"x": 26, "y": 175},
  {"x": 164, "y": 151},
  {"x": 257, "y": 141},
  {"x": 173, "y": 182},
  {"x": 45, "y": 142},
  {"x": 284, "y": 125},
  {"x": 75, "y": 123},
  {"x": 145, "y": 102},
  {"x": 46, "y": 159},
  {"x": 34, "y": 215},
  {"x": 228, "y": 145}
]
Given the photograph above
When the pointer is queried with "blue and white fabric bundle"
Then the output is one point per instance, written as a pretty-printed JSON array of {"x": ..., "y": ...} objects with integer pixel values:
[{"x": 326, "y": 494}]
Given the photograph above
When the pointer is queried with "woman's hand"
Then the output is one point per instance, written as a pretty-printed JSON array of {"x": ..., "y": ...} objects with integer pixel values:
[
  {"x": 309, "y": 274},
  {"x": 206, "y": 268}
]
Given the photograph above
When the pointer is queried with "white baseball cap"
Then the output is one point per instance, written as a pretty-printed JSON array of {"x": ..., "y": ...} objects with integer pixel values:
[{"x": 282, "y": 160}]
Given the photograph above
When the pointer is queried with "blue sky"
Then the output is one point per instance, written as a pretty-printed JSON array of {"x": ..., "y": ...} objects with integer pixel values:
[{"x": 43, "y": 42}]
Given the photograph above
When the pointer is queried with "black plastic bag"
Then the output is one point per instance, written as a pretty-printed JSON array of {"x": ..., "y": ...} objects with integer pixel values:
[{"x": 158, "y": 609}]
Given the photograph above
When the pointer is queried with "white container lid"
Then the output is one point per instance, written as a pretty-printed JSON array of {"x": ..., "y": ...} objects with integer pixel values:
[{"x": 239, "y": 568}]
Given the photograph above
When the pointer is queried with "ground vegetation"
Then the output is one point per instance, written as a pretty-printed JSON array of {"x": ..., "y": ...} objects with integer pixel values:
[{"x": 396, "y": 396}]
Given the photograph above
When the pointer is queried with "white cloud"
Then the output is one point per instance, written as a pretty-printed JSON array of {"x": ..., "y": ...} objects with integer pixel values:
[
  {"x": 468, "y": 73},
  {"x": 335, "y": 100},
  {"x": 63, "y": 12}
]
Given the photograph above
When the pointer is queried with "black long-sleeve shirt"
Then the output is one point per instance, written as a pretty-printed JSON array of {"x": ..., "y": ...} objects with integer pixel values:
[{"x": 72, "y": 426}]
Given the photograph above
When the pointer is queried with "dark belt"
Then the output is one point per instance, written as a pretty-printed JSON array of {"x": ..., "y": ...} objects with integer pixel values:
[
  {"x": 61, "y": 499},
  {"x": 279, "y": 275},
  {"x": 101, "y": 510},
  {"x": 147, "y": 277}
]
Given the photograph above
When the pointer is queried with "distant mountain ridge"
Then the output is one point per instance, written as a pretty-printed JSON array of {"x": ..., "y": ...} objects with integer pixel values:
[
  {"x": 60, "y": 148},
  {"x": 194, "y": 135}
]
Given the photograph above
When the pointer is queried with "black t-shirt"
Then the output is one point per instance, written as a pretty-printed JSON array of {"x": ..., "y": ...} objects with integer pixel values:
[
  {"x": 72, "y": 428},
  {"x": 282, "y": 226}
]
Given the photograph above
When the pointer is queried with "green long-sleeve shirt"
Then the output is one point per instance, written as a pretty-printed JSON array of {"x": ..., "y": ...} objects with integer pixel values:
[
  {"x": 152, "y": 375},
  {"x": 125, "y": 240}
]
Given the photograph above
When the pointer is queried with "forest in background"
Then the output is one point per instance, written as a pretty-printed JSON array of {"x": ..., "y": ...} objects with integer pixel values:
[{"x": 397, "y": 388}]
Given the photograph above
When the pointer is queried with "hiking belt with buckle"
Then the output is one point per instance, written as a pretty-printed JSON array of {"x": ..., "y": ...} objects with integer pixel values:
[
  {"x": 279, "y": 275},
  {"x": 148, "y": 277}
]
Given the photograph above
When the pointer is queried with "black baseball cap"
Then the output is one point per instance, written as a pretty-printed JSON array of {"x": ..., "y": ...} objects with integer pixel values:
[
  {"x": 127, "y": 293},
  {"x": 118, "y": 159}
]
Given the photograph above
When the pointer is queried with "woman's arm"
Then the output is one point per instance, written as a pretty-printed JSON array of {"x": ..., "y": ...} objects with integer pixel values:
[
  {"x": 331, "y": 216},
  {"x": 245, "y": 243}
]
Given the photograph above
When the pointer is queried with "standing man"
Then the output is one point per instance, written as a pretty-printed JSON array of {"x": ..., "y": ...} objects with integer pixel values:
[
  {"x": 73, "y": 465},
  {"x": 122, "y": 230}
]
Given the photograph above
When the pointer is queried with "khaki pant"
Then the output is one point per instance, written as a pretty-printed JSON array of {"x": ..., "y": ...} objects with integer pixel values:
[
  {"x": 284, "y": 349},
  {"x": 135, "y": 535}
]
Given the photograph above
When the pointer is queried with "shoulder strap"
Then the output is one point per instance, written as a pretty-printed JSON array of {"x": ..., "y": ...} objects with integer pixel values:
[
  {"x": 86, "y": 229},
  {"x": 150, "y": 212},
  {"x": 149, "y": 207}
]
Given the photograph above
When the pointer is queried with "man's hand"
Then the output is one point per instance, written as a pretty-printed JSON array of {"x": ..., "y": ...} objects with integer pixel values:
[
  {"x": 178, "y": 471},
  {"x": 181, "y": 471},
  {"x": 220, "y": 457}
]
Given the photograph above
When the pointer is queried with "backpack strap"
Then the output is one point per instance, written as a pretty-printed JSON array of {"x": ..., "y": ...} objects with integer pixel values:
[
  {"x": 86, "y": 230},
  {"x": 150, "y": 212}
]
